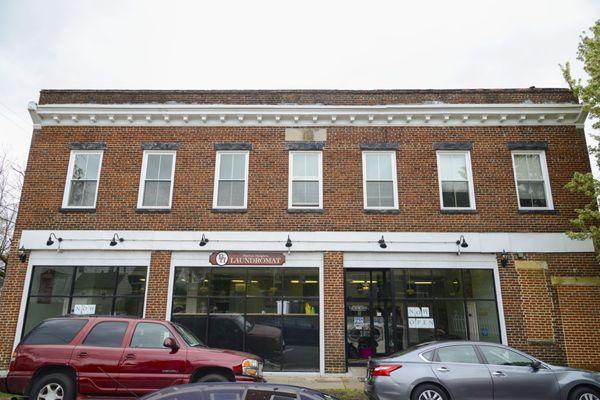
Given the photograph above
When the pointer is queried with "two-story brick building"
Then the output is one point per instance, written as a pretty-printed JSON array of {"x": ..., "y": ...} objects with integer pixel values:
[{"x": 314, "y": 228}]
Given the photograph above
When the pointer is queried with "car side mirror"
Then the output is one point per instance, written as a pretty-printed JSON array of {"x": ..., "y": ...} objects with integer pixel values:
[
  {"x": 171, "y": 343},
  {"x": 536, "y": 365}
]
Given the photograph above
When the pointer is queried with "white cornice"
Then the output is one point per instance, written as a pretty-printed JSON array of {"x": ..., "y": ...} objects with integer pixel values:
[{"x": 437, "y": 114}]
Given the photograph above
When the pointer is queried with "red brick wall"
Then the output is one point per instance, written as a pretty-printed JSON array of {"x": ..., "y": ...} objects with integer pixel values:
[
  {"x": 158, "y": 282},
  {"x": 333, "y": 301}
]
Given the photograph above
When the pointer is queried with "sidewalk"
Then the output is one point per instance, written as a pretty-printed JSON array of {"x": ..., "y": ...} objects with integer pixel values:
[{"x": 350, "y": 380}]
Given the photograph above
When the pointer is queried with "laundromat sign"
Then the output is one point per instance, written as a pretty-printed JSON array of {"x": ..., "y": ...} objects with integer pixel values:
[{"x": 228, "y": 258}]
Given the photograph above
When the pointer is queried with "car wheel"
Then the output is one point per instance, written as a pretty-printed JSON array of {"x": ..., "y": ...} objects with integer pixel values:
[
  {"x": 53, "y": 387},
  {"x": 584, "y": 393},
  {"x": 213, "y": 378},
  {"x": 429, "y": 392}
]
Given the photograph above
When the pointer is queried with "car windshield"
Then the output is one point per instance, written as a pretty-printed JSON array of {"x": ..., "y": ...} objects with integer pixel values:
[{"x": 189, "y": 338}]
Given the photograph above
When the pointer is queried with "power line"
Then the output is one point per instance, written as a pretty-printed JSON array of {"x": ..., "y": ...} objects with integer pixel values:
[
  {"x": 13, "y": 113},
  {"x": 14, "y": 123}
]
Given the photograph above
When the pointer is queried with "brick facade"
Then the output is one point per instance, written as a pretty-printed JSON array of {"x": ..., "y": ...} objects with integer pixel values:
[{"x": 541, "y": 318}]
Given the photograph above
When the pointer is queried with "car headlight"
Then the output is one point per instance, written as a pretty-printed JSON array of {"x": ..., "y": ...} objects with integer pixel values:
[{"x": 252, "y": 367}]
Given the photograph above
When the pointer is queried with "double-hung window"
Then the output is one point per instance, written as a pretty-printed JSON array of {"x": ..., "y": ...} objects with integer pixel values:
[
  {"x": 231, "y": 180},
  {"x": 305, "y": 179},
  {"x": 455, "y": 180},
  {"x": 156, "y": 185},
  {"x": 531, "y": 179},
  {"x": 379, "y": 180},
  {"x": 81, "y": 189}
]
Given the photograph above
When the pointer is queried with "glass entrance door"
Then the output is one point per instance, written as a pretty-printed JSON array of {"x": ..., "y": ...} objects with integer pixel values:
[{"x": 369, "y": 318}]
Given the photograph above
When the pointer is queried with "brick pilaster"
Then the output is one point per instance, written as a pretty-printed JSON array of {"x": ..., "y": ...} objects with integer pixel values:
[
  {"x": 335, "y": 342},
  {"x": 156, "y": 299}
]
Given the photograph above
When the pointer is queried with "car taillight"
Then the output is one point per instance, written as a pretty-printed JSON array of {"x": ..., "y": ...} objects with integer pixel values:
[
  {"x": 384, "y": 370},
  {"x": 13, "y": 358}
]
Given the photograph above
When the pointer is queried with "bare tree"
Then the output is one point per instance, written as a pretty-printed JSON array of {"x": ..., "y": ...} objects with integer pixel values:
[{"x": 11, "y": 182}]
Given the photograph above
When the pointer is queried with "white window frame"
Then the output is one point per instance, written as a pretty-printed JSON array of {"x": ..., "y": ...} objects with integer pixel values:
[
  {"x": 143, "y": 179},
  {"x": 470, "y": 184},
  {"x": 392, "y": 155},
  {"x": 545, "y": 176},
  {"x": 291, "y": 178},
  {"x": 246, "y": 153},
  {"x": 67, "y": 191}
]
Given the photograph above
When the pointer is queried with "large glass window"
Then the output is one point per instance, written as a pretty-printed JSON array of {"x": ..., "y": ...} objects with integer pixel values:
[
  {"x": 456, "y": 180},
  {"x": 231, "y": 180},
  {"x": 379, "y": 180},
  {"x": 82, "y": 179},
  {"x": 531, "y": 177},
  {"x": 306, "y": 179},
  {"x": 268, "y": 311},
  {"x": 156, "y": 187},
  {"x": 57, "y": 291}
]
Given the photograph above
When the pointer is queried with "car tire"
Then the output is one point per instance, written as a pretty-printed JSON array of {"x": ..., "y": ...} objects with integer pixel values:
[
  {"x": 55, "y": 386},
  {"x": 584, "y": 393},
  {"x": 428, "y": 392},
  {"x": 212, "y": 378}
]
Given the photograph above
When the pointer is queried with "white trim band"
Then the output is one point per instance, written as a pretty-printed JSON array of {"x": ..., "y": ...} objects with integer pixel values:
[
  {"x": 430, "y": 242},
  {"x": 437, "y": 114}
]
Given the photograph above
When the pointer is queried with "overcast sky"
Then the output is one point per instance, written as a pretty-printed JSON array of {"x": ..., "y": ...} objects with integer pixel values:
[{"x": 278, "y": 45}]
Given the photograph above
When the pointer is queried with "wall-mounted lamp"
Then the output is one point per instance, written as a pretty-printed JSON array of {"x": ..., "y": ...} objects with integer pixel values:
[
  {"x": 288, "y": 244},
  {"x": 22, "y": 254},
  {"x": 203, "y": 241},
  {"x": 504, "y": 258},
  {"x": 116, "y": 240},
  {"x": 50, "y": 242},
  {"x": 382, "y": 243},
  {"x": 461, "y": 242}
]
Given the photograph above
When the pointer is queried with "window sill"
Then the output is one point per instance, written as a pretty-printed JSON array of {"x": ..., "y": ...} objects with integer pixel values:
[
  {"x": 449, "y": 211},
  {"x": 229, "y": 210},
  {"x": 376, "y": 211},
  {"x": 152, "y": 210},
  {"x": 305, "y": 210},
  {"x": 68, "y": 210},
  {"x": 542, "y": 212}
]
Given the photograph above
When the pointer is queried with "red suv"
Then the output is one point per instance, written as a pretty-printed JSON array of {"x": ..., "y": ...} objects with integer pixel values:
[{"x": 65, "y": 358}]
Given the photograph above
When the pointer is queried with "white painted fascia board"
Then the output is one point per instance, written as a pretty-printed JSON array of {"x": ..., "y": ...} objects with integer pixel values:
[
  {"x": 431, "y": 242},
  {"x": 311, "y": 115}
]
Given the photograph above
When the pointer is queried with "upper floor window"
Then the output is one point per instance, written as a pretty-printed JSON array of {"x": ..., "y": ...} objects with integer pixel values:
[
  {"x": 81, "y": 189},
  {"x": 379, "y": 180},
  {"x": 531, "y": 179},
  {"x": 156, "y": 184},
  {"x": 306, "y": 179},
  {"x": 455, "y": 180},
  {"x": 231, "y": 180}
]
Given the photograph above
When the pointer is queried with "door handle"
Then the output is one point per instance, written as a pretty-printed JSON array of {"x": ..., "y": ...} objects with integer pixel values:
[
  {"x": 443, "y": 369},
  {"x": 129, "y": 356},
  {"x": 83, "y": 354},
  {"x": 498, "y": 373}
]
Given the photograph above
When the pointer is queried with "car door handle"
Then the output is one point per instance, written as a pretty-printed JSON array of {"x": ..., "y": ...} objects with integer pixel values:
[
  {"x": 83, "y": 354},
  {"x": 443, "y": 369},
  {"x": 129, "y": 356},
  {"x": 498, "y": 373}
]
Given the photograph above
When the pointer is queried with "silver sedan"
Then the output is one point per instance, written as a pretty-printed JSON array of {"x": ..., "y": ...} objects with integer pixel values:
[{"x": 461, "y": 370}]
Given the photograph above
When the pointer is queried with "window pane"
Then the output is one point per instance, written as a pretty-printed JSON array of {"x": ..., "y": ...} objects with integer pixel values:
[
  {"x": 86, "y": 166},
  {"x": 80, "y": 166},
  {"x": 419, "y": 328},
  {"x": 301, "y": 282},
  {"x": 228, "y": 281},
  {"x": 232, "y": 166},
  {"x": 447, "y": 283},
  {"x": 191, "y": 281},
  {"x": 132, "y": 280},
  {"x": 103, "y": 305},
  {"x": 226, "y": 331},
  {"x": 502, "y": 356},
  {"x": 264, "y": 281},
  {"x": 379, "y": 166},
  {"x": 531, "y": 194},
  {"x": 129, "y": 306},
  {"x": 89, "y": 193},
  {"x": 76, "y": 193},
  {"x": 305, "y": 166},
  {"x": 152, "y": 166},
  {"x": 190, "y": 305},
  {"x": 239, "y": 166},
  {"x": 453, "y": 167},
  {"x": 299, "y": 165},
  {"x": 305, "y": 193},
  {"x": 57, "y": 331},
  {"x": 264, "y": 337},
  {"x": 479, "y": 284},
  {"x": 418, "y": 283},
  {"x": 227, "y": 305},
  {"x": 93, "y": 166},
  {"x": 263, "y": 305},
  {"x": 166, "y": 166},
  {"x": 307, "y": 306},
  {"x": 458, "y": 354},
  {"x": 301, "y": 338},
  {"x": 95, "y": 281},
  {"x": 40, "y": 308},
  {"x": 150, "y": 335},
  {"x": 521, "y": 166},
  {"x": 380, "y": 194},
  {"x": 51, "y": 281},
  {"x": 357, "y": 283},
  {"x": 106, "y": 334},
  {"x": 455, "y": 194},
  {"x": 163, "y": 195},
  {"x": 483, "y": 321},
  {"x": 450, "y": 320},
  {"x": 231, "y": 194},
  {"x": 150, "y": 194},
  {"x": 534, "y": 167}
]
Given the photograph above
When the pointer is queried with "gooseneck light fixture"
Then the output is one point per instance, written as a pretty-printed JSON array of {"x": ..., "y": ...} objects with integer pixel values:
[
  {"x": 504, "y": 258},
  {"x": 461, "y": 243},
  {"x": 203, "y": 241},
  {"x": 288, "y": 244},
  {"x": 116, "y": 240},
  {"x": 50, "y": 242},
  {"x": 382, "y": 243}
]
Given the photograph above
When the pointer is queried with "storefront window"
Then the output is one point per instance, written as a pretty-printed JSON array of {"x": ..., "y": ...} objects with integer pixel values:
[
  {"x": 57, "y": 291},
  {"x": 269, "y": 311}
]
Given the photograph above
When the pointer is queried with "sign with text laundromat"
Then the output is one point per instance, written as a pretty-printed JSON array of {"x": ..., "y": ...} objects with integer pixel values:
[{"x": 227, "y": 258}]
